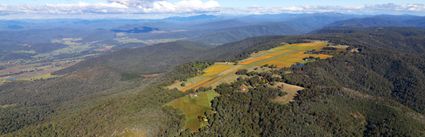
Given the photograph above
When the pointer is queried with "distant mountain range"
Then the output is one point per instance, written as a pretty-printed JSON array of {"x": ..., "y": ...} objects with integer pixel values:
[
  {"x": 382, "y": 21},
  {"x": 143, "y": 29},
  {"x": 208, "y": 29},
  {"x": 201, "y": 17}
]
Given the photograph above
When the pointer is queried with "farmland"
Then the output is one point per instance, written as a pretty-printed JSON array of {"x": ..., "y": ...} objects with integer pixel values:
[
  {"x": 194, "y": 107},
  {"x": 123, "y": 38},
  {"x": 29, "y": 71},
  {"x": 281, "y": 57}
]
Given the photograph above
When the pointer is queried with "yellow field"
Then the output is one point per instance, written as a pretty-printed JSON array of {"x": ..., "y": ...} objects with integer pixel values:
[
  {"x": 285, "y": 56},
  {"x": 217, "y": 68},
  {"x": 282, "y": 56},
  {"x": 213, "y": 76}
]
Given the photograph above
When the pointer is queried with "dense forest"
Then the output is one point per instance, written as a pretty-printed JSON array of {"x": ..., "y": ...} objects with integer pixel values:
[
  {"x": 317, "y": 111},
  {"x": 378, "y": 91}
]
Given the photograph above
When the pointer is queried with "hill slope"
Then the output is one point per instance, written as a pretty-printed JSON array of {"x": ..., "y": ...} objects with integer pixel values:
[
  {"x": 32, "y": 102},
  {"x": 375, "y": 92},
  {"x": 354, "y": 94}
]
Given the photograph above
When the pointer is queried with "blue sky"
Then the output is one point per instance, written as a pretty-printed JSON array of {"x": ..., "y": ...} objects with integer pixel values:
[
  {"x": 92, "y": 8},
  {"x": 245, "y": 3}
]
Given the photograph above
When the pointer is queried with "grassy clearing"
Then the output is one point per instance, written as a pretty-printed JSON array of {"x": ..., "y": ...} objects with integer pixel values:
[
  {"x": 124, "y": 39},
  {"x": 34, "y": 71},
  {"x": 282, "y": 56},
  {"x": 41, "y": 76},
  {"x": 74, "y": 46},
  {"x": 212, "y": 76},
  {"x": 285, "y": 56},
  {"x": 290, "y": 90},
  {"x": 132, "y": 133},
  {"x": 7, "y": 106},
  {"x": 194, "y": 106},
  {"x": 340, "y": 48},
  {"x": 25, "y": 52},
  {"x": 2, "y": 81},
  {"x": 217, "y": 68}
]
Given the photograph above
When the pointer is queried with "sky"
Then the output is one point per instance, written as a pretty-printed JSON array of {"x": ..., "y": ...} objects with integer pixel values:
[
  {"x": 156, "y": 8},
  {"x": 243, "y": 3}
]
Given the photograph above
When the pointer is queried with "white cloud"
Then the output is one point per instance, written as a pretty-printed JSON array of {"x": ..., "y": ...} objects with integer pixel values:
[
  {"x": 77, "y": 8},
  {"x": 118, "y": 6},
  {"x": 183, "y": 6},
  {"x": 134, "y": 3},
  {"x": 395, "y": 7},
  {"x": 136, "y": 7},
  {"x": 365, "y": 9}
]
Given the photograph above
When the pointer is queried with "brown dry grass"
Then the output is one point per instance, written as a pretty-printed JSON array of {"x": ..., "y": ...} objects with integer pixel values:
[{"x": 290, "y": 90}]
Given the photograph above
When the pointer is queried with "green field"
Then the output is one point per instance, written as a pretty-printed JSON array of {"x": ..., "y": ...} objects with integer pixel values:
[{"x": 194, "y": 106}]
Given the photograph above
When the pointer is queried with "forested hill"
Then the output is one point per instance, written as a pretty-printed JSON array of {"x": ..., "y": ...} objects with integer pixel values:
[
  {"x": 147, "y": 60},
  {"x": 393, "y": 54},
  {"x": 353, "y": 94},
  {"x": 382, "y": 21},
  {"x": 378, "y": 91},
  {"x": 27, "y": 103},
  {"x": 393, "y": 57}
]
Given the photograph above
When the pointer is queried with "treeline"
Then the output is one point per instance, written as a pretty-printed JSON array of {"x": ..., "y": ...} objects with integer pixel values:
[
  {"x": 236, "y": 51},
  {"x": 188, "y": 70}
]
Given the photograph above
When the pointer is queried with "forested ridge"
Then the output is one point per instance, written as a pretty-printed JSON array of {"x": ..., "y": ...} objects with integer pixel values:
[
  {"x": 378, "y": 91},
  {"x": 28, "y": 103}
]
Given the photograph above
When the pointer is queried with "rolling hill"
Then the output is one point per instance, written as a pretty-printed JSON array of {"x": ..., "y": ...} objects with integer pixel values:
[
  {"x": 375, "y": 91},
  {"x": 101, "y": 76},
  {"x": 372, "y": 92}
]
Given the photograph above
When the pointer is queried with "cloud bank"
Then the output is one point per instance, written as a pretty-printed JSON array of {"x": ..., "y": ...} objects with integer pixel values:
[
  {"x": 117, "y": 6},
  {"x": 179, "y": 7},
  {"x": 388, "y": 8}
]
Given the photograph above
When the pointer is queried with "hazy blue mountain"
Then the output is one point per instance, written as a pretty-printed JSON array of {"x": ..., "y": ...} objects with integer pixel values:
[
  {"x": 144, "y": 29},
  {"x": 383, "y": 21},
  {"x": 192, "y": 18},
  {"x": 224, "y": 31}
]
